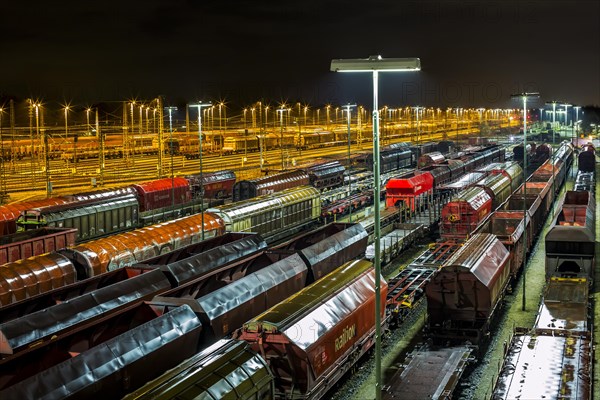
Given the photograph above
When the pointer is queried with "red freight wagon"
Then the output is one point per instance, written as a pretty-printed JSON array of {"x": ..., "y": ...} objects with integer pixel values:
[
  {"x": 542, "y": 189},
  {"x": 248, "y": 189},
  {"x": 311, "y": 339},
  {"x": 34, "y": 242},
  {"x": 508, "y": 227},
  {"x": 463, "y": 295},
  {"x": 219, "y": 185},
  {"x": 464, "y": 212},
  {"x": 157, "y": 194},
  {"x": 214, "y": 185},
  {"x": 408, "y": 190}
]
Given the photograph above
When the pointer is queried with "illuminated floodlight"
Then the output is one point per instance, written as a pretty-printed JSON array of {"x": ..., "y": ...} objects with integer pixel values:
[{"x": 376, "y": 63}]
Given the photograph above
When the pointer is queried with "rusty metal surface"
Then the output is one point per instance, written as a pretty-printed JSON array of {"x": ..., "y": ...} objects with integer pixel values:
[
  {"x": 508, "y": 226},
  {"x": 53, "y": 322},
  {"x": 124, "y": 249},
  {"x": 546, "y": 367},
  {"x": 428, "y": 373},
  {"x": 213, "y": 185},
  {"x": 466, "y": 210},
  {"x": 570, "y": 242},
  {"x": 119, "y": 365},
  {"x": 10, "y": 212},
  {"x": 227, "y": 369},
  {"x": 483, "y": 256},
  {"x": 27, "y": 278}
]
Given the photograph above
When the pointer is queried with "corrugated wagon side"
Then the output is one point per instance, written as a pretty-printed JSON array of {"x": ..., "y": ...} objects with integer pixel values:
[
  {"x": 311, "y": 339},
  {"x": 463, "y": 295}
]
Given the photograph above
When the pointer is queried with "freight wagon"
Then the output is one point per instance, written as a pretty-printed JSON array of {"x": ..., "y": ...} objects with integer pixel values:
[
  {"x": 32, "y": 243},
  {"x": 120, "y": 306}
]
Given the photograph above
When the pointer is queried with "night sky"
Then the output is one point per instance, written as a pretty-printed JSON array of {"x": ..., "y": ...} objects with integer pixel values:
[{"x": 472, "y": 53}]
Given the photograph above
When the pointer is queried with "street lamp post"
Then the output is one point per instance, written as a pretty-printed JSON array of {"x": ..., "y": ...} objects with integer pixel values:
[
  {"x": 67, "y": 108},
  {"x": 44, "y": 137},
  {"x": 101, "y": 155},
  {"x": 141, "y": 121},
  {"x": 348, "y": 109},
  {"x": 2, "y": 157},
  {"x": 281, "y": 111},
  {"x": 199, "y": 106},
  {"x": 170, "y": 110},
  {"x": 245, "y": 136},
  {"x": 566, "y": 106},
  {"x": 553, "y": 104},
  {"x": 524, "y": 97},
  {"x": 574, "y": 127},
  {"x": 418, "y": 126},
  {"x": 374, "y": 65}
]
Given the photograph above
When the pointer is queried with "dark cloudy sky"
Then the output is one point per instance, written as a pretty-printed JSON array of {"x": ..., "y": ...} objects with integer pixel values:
[{"x": 473, "y": 53}]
